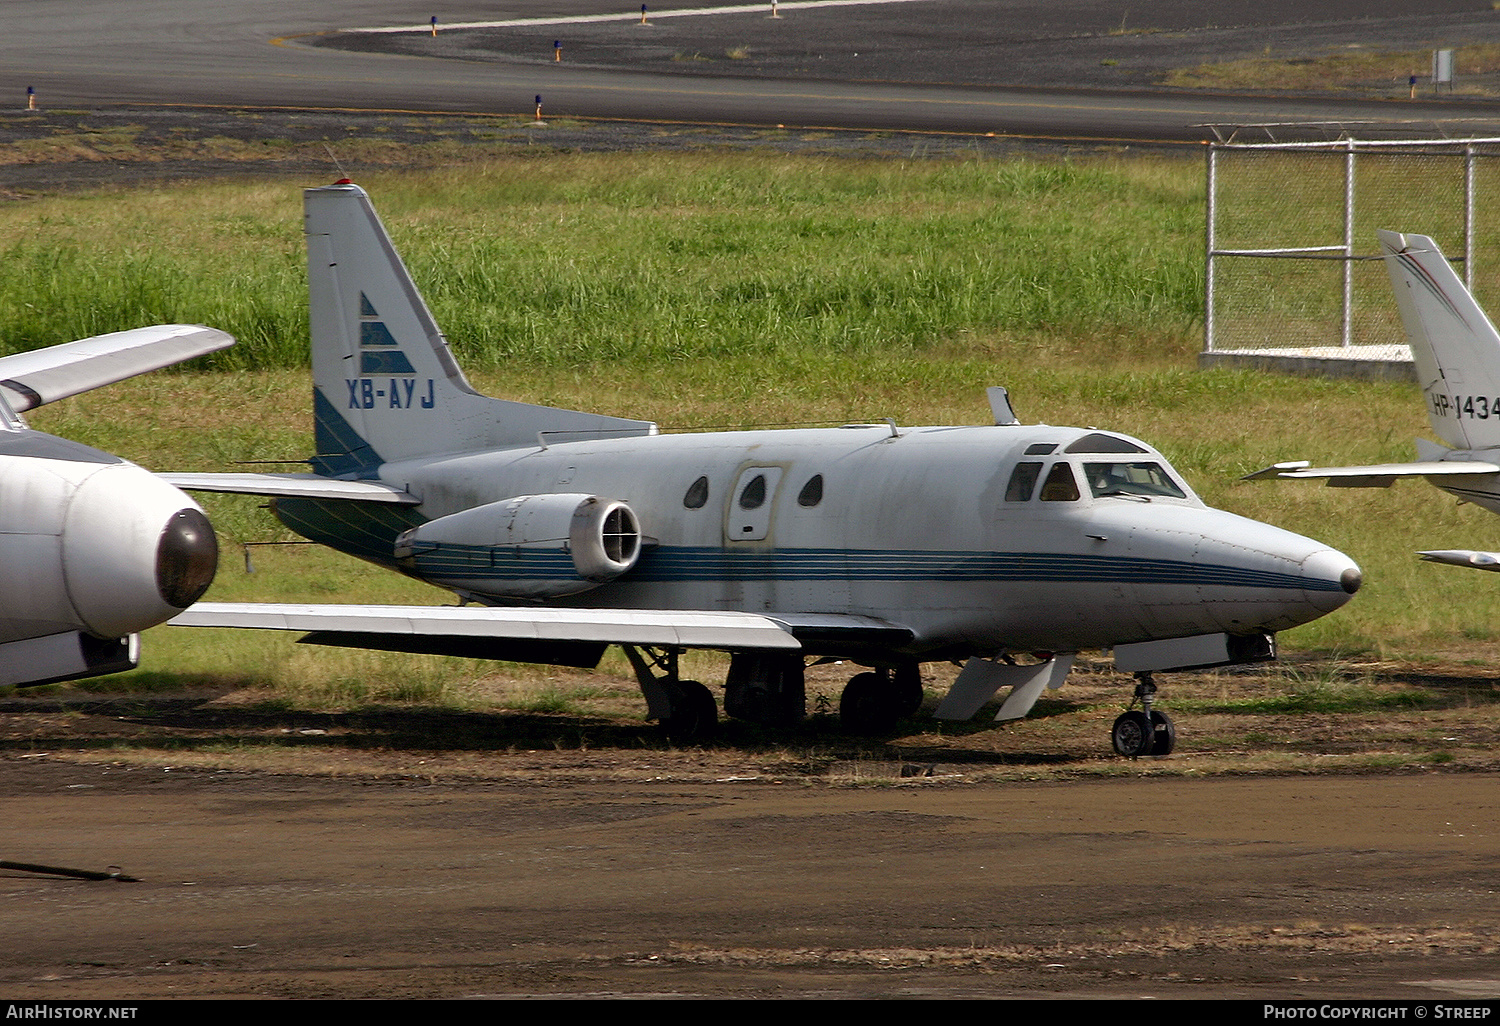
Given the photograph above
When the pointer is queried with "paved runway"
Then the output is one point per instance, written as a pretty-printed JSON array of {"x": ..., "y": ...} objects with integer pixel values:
[{"x": 261, "y": 53}]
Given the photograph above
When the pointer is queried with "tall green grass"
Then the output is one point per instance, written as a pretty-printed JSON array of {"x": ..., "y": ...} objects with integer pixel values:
[{"x": 570, "y": 260}]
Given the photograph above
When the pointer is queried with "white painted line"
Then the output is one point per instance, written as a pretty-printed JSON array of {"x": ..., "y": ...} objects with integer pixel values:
[{"x": 582, "y": 19}]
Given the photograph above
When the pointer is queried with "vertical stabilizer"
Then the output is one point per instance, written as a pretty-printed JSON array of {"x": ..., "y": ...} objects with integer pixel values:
[
  {"x": 1454, "y": 345},
  {"x": 385, "y": 384}
]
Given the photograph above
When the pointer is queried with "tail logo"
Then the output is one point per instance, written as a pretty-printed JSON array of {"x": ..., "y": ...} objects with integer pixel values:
[{"x": 387, "y": 376}]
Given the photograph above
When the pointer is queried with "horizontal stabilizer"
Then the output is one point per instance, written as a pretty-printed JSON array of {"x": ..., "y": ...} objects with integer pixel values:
[
  {"x": 1464, "y": 557},
  {"x": 668, "y": 627},
  {"x": 1379, "y": 475},
  {"x": 301, "y": 486},
  {"x": 35, "y": 378}
]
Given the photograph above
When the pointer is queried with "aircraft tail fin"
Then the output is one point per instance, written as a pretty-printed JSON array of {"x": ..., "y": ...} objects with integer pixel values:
[
  {"x": 385, "y": 384},
  {"x": 1454, "y": 345}
]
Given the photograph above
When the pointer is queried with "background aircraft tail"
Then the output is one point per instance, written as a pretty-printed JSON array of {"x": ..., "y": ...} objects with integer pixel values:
[
  {"x": 1454, "y": 345},
  {"x": 385, "y": 384}
]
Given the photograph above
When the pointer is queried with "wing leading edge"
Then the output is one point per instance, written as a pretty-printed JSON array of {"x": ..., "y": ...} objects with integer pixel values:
[
  {"x": 32, "y": 379},
  {"x": 671, "y": 627}
]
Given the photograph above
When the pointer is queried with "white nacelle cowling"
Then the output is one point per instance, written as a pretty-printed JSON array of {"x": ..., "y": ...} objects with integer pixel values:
[
  {"x": 104, "y": 548},
  {"x": 530, "y": 546}
]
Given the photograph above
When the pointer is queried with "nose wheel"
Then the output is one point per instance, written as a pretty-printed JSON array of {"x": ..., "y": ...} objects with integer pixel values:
[{"x": 1143, "y": 731}]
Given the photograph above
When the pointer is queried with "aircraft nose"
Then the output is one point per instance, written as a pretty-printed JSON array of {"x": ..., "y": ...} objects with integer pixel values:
[{"x": 1331, "y": 579}]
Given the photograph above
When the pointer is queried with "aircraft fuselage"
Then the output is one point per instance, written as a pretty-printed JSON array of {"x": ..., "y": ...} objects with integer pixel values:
[{"x": 923, "y": 527}]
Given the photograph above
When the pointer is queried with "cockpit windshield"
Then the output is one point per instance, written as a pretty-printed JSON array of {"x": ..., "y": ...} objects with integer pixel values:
[{"x": 1142, "y": 478}]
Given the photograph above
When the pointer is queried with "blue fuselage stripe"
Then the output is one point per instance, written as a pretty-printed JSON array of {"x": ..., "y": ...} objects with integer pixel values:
[{"x": 683, "y": 564}]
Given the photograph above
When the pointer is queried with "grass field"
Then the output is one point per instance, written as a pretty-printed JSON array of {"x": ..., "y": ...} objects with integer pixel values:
[{"x": 728, "y": 290}]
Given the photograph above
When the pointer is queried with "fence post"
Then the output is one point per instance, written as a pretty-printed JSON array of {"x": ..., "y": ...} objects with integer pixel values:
[
  {"x": 1348, "y": 242},
  {"x": 1208, "y": 248},
  {"x": 1469, "y": 217}
]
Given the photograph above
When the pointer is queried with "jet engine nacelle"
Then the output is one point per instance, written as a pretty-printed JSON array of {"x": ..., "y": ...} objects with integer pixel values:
[
  {"x": 101, "y": 547},
  {"x": 530, "y": 546}
]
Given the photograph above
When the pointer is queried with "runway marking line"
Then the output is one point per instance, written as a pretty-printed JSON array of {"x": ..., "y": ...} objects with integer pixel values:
[{"x": 587, "y": 19}]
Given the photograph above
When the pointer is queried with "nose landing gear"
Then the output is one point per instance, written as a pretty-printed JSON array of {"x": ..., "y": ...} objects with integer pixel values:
[{"x": 1145, "y": 731}]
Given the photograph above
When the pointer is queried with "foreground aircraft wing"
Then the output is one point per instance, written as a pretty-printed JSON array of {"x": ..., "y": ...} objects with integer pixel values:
[
  {"x": 29, "y": 380},
  {"x": 472, "y": 630},
  {"x": 302, "y": 486},
  {"x": 1379, "y": 475}
]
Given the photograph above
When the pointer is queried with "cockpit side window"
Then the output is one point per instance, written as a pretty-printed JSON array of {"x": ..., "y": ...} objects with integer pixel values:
[
  {"x": 1144, "y": 478},
  {"x": 1060, "y": 486},
  {"x": 1023, "y": 482}
]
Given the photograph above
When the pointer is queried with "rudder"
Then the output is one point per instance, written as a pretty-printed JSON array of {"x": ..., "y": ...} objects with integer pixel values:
[
  {"x": 1453, "y": 343},
  {"x": 386, "y": 386}
]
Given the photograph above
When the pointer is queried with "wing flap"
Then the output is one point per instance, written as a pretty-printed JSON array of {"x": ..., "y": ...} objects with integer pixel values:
[
  {"x": 657, "y": 627},
  {"x": 41, "y": 376}
]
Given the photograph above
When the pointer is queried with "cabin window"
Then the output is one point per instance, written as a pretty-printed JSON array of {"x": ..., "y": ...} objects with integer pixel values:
[
  {"x": 697, "y": 494},
  {"x": 1147, "y": 479},
  {"x": 1060, "y": 486},
  {"x": 754, "y": 494},
  {"x": 1023, "y": 482},
  {"x": 1041, "y": 448},
  {"x": 812, "y": 492}
]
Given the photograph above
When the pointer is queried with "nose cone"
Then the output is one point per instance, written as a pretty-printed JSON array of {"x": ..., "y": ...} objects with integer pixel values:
[
  {"x": 1331, "y": 579},
  {"x": 186, "y": 557}
]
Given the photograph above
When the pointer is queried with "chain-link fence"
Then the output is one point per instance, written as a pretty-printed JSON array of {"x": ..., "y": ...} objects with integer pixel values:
[{"x": 1293, "y": 260}]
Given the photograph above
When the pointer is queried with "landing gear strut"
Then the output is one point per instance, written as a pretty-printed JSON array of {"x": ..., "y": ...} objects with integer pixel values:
[
  {"x": 1144, "y": 731},
  {"x": 684, "y": 708}
]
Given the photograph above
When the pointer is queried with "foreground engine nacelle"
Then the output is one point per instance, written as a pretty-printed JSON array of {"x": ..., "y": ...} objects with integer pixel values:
[
  {"x": 92, "y": 547},
  {"x": 530, "y": 546}
]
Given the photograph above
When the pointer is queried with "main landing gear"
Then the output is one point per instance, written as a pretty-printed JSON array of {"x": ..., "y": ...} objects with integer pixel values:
[
  {"x": 768, "y": 688},
  {"x": 872, "y": 702},
  {"x": 1143, "y": 731},
  {"x": 684, "y": 708}
]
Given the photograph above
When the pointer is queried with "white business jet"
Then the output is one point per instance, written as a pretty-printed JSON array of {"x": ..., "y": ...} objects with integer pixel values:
[
  {"x": 1457, "y": 355},
  {"x": 93, "y": 549},
  {"x": 1010, "y": 548}
]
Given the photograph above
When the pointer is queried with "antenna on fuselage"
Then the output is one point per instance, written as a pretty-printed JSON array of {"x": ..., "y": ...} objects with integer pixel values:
[{"x": 1000, "y": 406}]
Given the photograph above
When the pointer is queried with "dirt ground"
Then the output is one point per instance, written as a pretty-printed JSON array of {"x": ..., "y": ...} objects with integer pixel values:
[
  {"x": 269, "y": 885},
  {"x": 1339, "y": 840}
]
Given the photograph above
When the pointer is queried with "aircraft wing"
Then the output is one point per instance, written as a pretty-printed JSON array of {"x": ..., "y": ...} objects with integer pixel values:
[
  {"x": 1464, "y": 557},
  {"x": 492, "y": 630},
  {"x": 302, "y": 486},
  {"x": 1379, "y": 475},
  {"x": 32, "y": 379}
]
